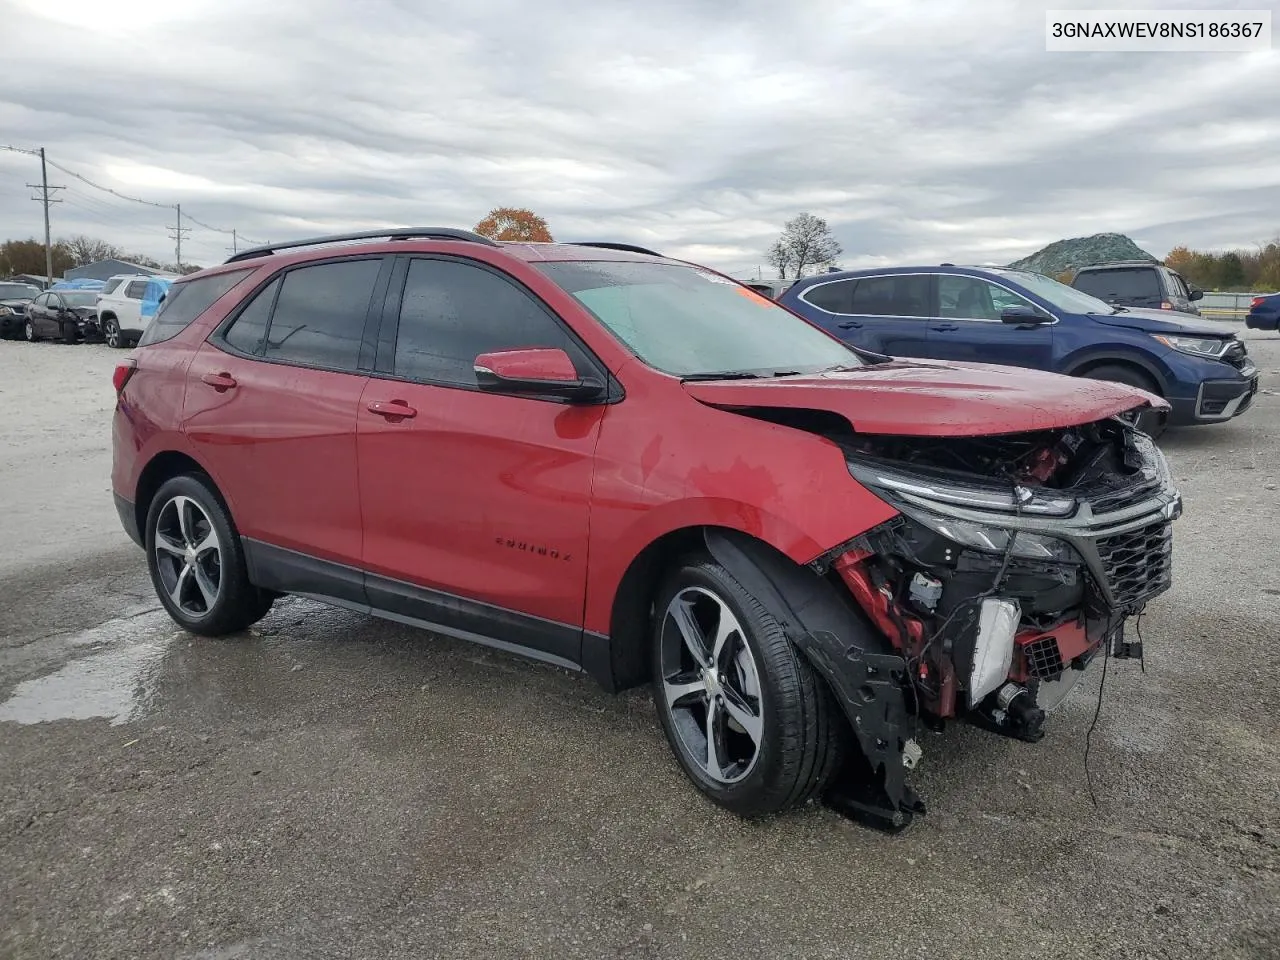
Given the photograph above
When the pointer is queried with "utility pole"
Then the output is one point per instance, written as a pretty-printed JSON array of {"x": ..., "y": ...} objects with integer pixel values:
[
  {"x": 178, "y": 232},
  {"x": 235, "y": 247},
  {"x": 44, "y": 188}
]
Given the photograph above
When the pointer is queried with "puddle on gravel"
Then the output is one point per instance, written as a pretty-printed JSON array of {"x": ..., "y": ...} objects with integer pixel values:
[{"x": 111, "y": 683}]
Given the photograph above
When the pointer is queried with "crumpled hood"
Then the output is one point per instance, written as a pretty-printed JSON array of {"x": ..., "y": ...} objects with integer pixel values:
[
  {"x": 1164, "y": 321},
  {"x": 935, "y": 398}
]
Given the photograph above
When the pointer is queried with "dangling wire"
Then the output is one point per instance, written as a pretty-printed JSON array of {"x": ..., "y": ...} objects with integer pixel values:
[{"x": 1088, "y": 737}]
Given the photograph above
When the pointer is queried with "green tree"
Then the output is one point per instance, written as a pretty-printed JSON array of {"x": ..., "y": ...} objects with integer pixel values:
[{"x": 27, "y": 256}]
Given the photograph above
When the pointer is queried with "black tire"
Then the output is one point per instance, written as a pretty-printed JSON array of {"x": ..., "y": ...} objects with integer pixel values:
[
  {"x": 111, "y": 333},
  {"x": 802, "y": 732},
  {"x": 236, "y": 602},
  {"x": 29, "y": 331},
  {"x": 1150, "y": 422}
]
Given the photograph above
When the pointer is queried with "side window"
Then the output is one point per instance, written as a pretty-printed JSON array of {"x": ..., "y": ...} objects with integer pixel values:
[
  {"x": 250, "y": 328},
  {"x": 320, "y": 314},
  {"x": 836, "y": 297},
  {"x": 41, "y": 301},
  {"x": 111, "y": 285},
  {"x": 893, "y": 296},
  {"x": 970, "y": 298},
  {"x": 1133, "y": 284},
  {"x": 1174, "y": 283},
  {"x": 184, "y": 302},
  {"x": 452, "y": 312},
  {"x": 136, "y": 289}
]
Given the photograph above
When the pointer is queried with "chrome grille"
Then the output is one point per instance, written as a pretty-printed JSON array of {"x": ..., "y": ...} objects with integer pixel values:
[{"x": 1138, "y": 564}]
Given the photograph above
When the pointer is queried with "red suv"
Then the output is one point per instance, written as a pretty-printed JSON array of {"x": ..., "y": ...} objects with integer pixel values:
[{"x": 635, "y": 467}]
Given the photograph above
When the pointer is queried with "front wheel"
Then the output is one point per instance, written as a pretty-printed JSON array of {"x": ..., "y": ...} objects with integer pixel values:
[
  {"x": 748, "y": 720},
  {"x": 1150, "y": 422},
  {"x": 29, "y": 329},
  {"x": 197, "y": 562}
]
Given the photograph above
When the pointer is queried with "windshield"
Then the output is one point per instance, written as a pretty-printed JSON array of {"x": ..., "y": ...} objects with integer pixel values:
[
  {"x": 1065, "y": 298},
  {"x": 80, "y": 298},
  {"x": 18, "y": 291},
  {"x": 690, "y": 322}
]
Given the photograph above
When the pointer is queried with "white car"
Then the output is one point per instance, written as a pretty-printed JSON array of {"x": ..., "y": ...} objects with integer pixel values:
[{"x": 126, "y": 305}]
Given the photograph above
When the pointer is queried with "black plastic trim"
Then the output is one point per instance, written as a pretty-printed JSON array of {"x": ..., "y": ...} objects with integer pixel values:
[
  {"x": 609, "y": 245},
  {"x": 128, "y": 518},
  {"x": 288, "y": 571}
]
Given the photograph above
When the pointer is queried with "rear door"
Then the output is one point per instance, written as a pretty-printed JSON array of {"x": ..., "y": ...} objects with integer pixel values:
[
  {"x": 891, "y": 314},
  {"x": 476, "y": 502},
  {"x": 969, "y": 325},
  {"x": 271, "y": 404},
  {"x": 129, "y": 309}
]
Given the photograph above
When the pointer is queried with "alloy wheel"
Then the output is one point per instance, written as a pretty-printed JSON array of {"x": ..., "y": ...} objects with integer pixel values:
[
  {"x": 30, "y": 331},
  {"x": 188, "y": 556},
  {"x": 711, "y": 685},
  {"x": 111, "y": 332}
]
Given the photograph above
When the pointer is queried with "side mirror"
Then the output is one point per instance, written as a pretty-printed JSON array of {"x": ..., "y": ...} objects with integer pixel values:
[
  {"x": 1196, "y": 293},
  {"x": 539, "y": 371},
  {"x": 1020, "y": 314}
]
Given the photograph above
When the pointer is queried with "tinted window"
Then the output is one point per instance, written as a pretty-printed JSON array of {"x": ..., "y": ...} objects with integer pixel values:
[
  {"x": 135, "y": 289},
  {"x": 112, "y": 284},
  {"x": 184, "y": 302},
  {"x": 320, "y": 314},
  {"x": 895, "y": 296},
  {"x": 1135, "y": 284},
  {"x": 834, "y": 297},
  {"x": 453, "y": 312},
  {"x": 249, "y": 329}
]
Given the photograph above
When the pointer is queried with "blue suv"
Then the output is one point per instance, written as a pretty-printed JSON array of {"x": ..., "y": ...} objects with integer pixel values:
[{"x": 993, "y": 315}]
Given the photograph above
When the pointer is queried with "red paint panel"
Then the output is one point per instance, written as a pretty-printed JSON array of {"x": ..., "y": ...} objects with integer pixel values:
[
  {"x": 282, "y": 445},
  {"x": 481, "y": 495}
]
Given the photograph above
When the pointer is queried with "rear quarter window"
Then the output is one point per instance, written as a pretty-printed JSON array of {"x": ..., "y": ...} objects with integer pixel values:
[
  {"x": 111, "y": 286},
  {"x": 187, "y": 300},
  {"x": 1136, "y": 284}
]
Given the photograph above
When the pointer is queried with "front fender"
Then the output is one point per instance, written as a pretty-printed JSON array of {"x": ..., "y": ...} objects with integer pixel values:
[{"x": 868, "y": 679}]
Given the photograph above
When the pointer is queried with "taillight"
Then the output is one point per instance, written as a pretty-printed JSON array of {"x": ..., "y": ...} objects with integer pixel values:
[
  {"x": 123, "y": 372},
  {"x": 1256, "y": 303}
]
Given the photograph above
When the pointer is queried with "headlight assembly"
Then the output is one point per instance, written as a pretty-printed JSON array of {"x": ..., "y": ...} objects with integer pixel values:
[
  {"x": 1211, "y": 347},
  {"x": 992, "y": 539}
]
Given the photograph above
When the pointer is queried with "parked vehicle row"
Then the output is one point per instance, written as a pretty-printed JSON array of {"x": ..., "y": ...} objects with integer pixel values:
[
  {"x": 993, "y": 315},
  {"x": 116, "y": 311},
  {"x": 638, "y": 468}
]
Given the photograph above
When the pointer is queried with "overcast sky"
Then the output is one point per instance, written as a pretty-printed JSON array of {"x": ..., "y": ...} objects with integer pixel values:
[{"x": 922, "y": 131}]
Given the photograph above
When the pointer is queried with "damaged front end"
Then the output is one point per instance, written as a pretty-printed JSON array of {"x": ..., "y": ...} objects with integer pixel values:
[{"x": 1013, "y": 559}]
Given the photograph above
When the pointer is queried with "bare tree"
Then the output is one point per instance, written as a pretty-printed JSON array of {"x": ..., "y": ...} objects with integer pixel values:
[
  {"x": 806, "y": 241},
  {"x": 89, "y": 250},
  {"x": 779, "y": 256}
]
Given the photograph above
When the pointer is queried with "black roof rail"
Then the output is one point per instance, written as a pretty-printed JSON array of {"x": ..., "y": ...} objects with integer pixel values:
[
  {"x": 396, "y": 233},
  {"x": 608, "y": 245}
]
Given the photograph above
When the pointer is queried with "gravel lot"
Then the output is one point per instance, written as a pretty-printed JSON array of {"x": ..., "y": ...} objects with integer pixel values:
[{"x": 336, "y": 786}]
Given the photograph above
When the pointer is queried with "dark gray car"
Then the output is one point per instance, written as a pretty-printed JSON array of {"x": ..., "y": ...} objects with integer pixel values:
[
  {"x": 14, "y": 299},
  {"x": 1139, "y": 283}
]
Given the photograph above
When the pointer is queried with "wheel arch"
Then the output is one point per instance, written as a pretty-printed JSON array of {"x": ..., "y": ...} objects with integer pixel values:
[
  {"x": 163, "y": 466},
  {"x": 1081, "y": 363}
]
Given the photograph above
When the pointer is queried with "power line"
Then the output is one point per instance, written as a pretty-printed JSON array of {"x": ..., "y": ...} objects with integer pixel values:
[{"x": 114, "y": 193}]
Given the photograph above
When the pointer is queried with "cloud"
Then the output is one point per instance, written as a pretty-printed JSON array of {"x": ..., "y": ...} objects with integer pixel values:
[{"x": 920, "y": 132}]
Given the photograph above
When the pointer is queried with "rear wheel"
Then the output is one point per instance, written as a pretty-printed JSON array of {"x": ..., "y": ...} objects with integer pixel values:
[
  {"x": 1150, "y": 422},
  {"x": 751, "y": 724},
  {"x": 197, "y": 562},
  {"x": 111, "y": 332}
]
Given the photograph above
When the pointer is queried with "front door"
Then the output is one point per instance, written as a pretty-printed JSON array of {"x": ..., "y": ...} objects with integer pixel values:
[
  {"x": 969, "y": 328},
  {"x": 271, "y": 407},
  {"x": 476, "y": 504}
]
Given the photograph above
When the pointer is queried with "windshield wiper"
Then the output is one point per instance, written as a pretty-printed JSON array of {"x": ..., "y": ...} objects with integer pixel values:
[{"x": 721, "y": 375}]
